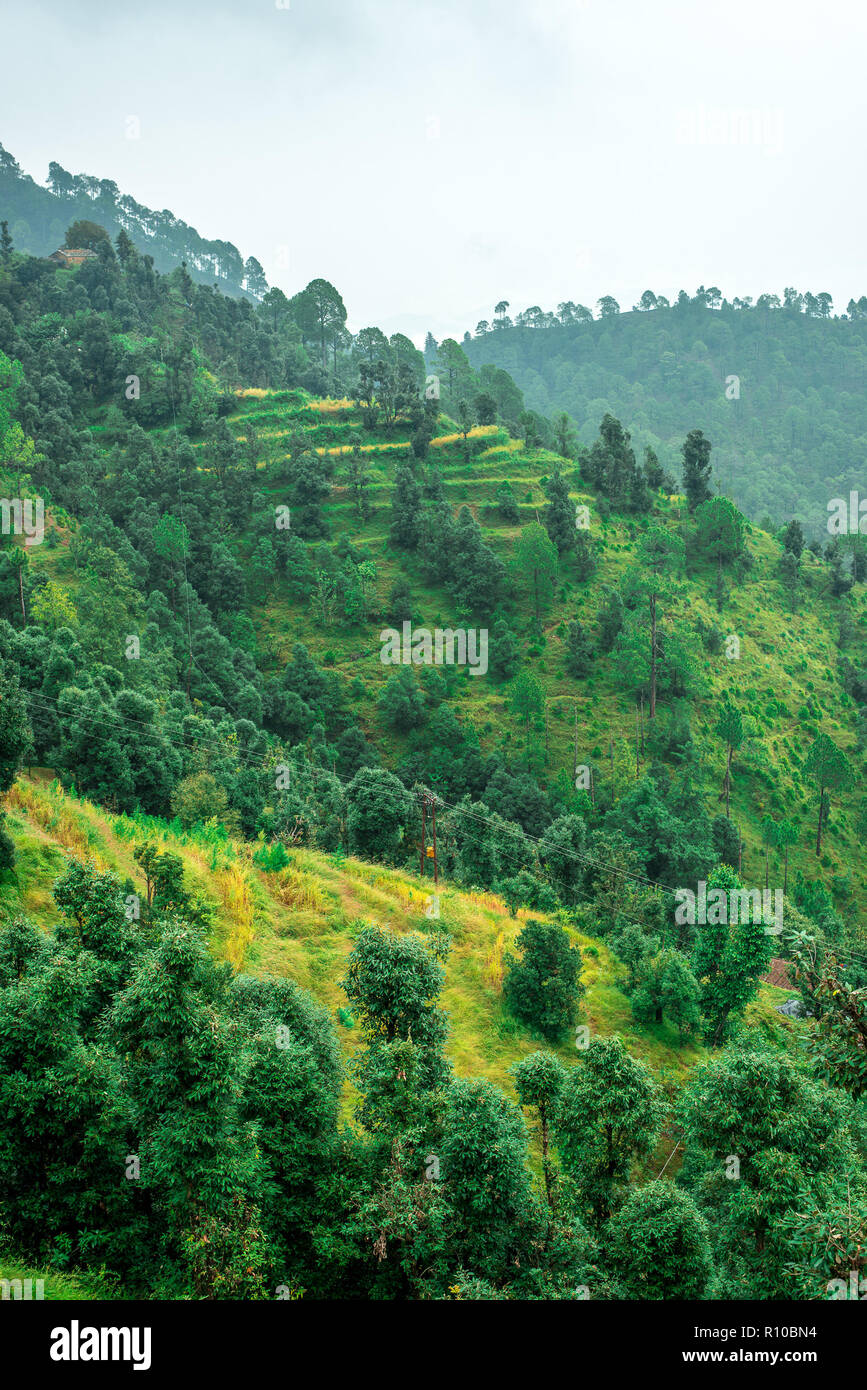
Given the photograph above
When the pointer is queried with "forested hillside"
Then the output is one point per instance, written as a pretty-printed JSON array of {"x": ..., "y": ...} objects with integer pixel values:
[
  {"x": 779, "y": 385},
  {"x": 289, "y": 615},
  {"x": 38, "y": 219}
]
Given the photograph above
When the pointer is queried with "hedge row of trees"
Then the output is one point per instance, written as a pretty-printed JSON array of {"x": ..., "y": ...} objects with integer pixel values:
[{"x": 175, "y": 1126}]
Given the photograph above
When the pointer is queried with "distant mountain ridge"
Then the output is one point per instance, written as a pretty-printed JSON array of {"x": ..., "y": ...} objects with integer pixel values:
[
  {"x": 780, "y": 388},
  {"x": 38, "y": 218}
]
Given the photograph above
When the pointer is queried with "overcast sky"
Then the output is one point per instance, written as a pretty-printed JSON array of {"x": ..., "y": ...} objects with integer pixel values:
[{"x": 433, "y": 158}]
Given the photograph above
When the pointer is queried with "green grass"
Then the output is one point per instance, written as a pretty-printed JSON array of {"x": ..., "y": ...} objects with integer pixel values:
[{"x": 303, "y": 920}]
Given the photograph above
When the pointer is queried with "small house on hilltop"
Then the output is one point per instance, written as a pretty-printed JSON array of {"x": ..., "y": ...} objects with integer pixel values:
[{"x": 72, "y": 257}]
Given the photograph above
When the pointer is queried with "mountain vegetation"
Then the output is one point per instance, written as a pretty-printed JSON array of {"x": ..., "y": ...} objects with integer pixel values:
[
  {"x": 778, "y": 385},
  {"x": 363, "y": 734},
  {"x": 39, "y": 219}
]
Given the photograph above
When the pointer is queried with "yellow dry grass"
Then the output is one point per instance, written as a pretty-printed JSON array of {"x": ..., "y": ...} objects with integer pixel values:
[
  {"x": 233, "y": 886},
  {"x": 54, "y": 816},
  {"x": 301, "y": 891},
  {"x": 494, "y": 965},
  {"x": 339, "y": 450},
  {"x": 331, "y": 406},
  {"x": 477, "y": 432}
]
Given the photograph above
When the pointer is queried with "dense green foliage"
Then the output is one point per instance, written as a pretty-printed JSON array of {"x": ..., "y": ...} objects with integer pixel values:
[
  {"x": 242, "y": 504},
  {"x": 666, "y": 369}
]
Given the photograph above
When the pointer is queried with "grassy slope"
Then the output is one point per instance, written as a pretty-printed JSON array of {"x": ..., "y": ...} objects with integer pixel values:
[
  {"x": 302, "y": 920},
  {"x": 787, "y": 659}
]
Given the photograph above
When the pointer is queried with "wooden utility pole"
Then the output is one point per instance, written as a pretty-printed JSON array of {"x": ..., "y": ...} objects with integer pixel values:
[
  {"x": 423, "y": 810},
  {"x": 428, "y": 799}
]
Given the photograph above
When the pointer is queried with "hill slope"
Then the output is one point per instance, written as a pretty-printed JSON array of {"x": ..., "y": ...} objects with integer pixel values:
[
  {"x": 792, "y": 438},
  {"x": 302, "y": 920}
]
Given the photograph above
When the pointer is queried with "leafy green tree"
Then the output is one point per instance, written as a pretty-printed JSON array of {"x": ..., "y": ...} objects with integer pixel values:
[
  {"x": 660, "y": 555},
  {"x": 401, "y": 702},
  {"x": 787, "y": 835},
  {"x": 199, "y": 798},
  {"x": 297, "y": 568},
  {"x": 607, "y": 306},
  {"x": 200, "y": 1167},
  {"x": 579, "y": 651},
  {"x": 539, "y": 1080},
  {"x": 485, "y": 407},
  {"x": 730, "y": 728},
  {"x": 406, "y": 509},
  {"x": 559, "y": 514},
  {"x": 830, "y": 770},
  {"x": 526, "y": 890},
  {"x": 565, "y": 435},
  {"x": 660, "y": 1243},
  {"x": 543, "y": 988},
  {"x": 489, "y": 848},
  {"x": 484, "y": 1172},
  {"x": 838, "y": 1044},
  {"x": 466, "y": 422},
  {"x": 393, "y": 984},
  {"x": 668, "y": 988},
  {"x": 729, "y": 956},
  {"x": 378, "y": 807},
  {"x": 62, "y": 1193},
  {"x": 320, "y": 313},
  {"x": 609, "y": 1117},
  {"x": 535, "y": 558},
  {"x": 358, "y": 480},
  {"x": 16, "y": 735},
  {"x": 507, "y": 504},
  {"x": 793, "y": 539},
  {"x": 610, "y": 619},
  {"x": 171, "y": 542},
  {"x": 563, "y": 854},
  {"x": 788, "y": 1134},
  {"x": 654, "y": 473},
  {"x": 719, "y": 531},
  {"x": 505, "y": 652},
  {"x": 726, "y": 841},
  {"x": 528, "y": 700},
  {"x": 85, "y": 235},
  {"x": 635, "y": 948}
]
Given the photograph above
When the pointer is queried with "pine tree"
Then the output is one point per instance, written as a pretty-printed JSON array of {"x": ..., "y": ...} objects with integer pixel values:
[
  {"x": 559, "y": 514},
  {"x": 696, "y": 468}
]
